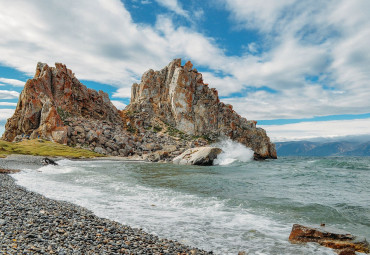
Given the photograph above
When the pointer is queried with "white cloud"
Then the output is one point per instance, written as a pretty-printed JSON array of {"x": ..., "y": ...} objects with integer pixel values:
[
  {"x": 174, "y": 6},
  {"x": 255, "y": 14},
  {"x": 226, "y": 85},
  {"x": 320, "y": 129},
  {"x": 327, "y": 40},
  {"x": 8, "y": 94},
  {"x": 122, "y": 93},
  {"x": 119, "y": 104},
  {"x": 6, "y": 114},
  {"x": 109, "y": 49},
  {"x": 182, "y": 41},
  {"x": 8, "y": 104},
  {"x": 13, "y": 82}
]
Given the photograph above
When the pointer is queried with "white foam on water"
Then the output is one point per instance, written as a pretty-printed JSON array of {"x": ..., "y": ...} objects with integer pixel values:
[
  {"x": 204, "y": 222},
  {"x": 232, "y": 152},
  {"x": 50, "y": 169}
]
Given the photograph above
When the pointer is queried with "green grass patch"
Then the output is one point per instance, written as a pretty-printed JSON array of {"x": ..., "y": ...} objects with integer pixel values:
[{"x": 44, "y": 148}]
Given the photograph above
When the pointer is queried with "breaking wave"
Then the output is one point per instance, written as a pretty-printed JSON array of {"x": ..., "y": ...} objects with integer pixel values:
[{"x": 232, "y": 152}]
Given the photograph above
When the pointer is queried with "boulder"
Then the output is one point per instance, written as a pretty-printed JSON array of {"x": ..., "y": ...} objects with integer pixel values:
[
  {"x": 100, "y": 150},
  {"x": 91, "y": 136},
  {"x": 169, "y": 148},
  {"x": 203, "y": 156},
  {"x": 47, "y": 161},
  {"x": 328, "y": 237}
]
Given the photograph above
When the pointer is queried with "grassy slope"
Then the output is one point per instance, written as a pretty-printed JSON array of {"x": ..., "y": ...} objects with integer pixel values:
[{"x": 44, "y": 148}]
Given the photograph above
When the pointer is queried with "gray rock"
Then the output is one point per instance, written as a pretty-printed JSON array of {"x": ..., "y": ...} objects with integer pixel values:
[
  {"x": 79, "y": 130},
  {"x": 100, "y": 150},
  {"x": 91, "y": 136},
  {"x": 203, "y": 156}
]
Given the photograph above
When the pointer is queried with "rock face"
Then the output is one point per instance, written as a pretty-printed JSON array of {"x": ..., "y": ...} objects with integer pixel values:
[
  {"x": 171, "y": 111},
  {"x": 202, "y": 156},
  {"x": 177, "y": 96},
  {"x": 332, "y": 238},
  {"x": 49, "y": 98}
]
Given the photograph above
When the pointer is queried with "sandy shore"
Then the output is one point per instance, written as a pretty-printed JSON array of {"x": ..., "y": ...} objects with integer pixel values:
[{"x": 33, "y": 224}]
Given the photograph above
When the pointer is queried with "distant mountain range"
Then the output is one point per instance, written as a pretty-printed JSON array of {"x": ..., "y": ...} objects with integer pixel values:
[{"x": 337, "y": 148}]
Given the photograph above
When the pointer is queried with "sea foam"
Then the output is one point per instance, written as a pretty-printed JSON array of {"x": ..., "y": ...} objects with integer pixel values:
[{"x": 232, "y": 152}]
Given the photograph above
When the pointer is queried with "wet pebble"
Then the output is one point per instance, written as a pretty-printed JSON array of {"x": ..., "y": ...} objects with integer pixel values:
[{"x": 33, "y": 224}]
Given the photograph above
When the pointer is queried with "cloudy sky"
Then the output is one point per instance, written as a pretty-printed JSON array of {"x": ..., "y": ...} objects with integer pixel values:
[{"x": 300, "y": 68}]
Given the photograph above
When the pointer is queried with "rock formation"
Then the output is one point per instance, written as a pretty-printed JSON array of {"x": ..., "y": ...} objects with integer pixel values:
[
  {"x": 329, "y": 237},
  {"x": 53, "y": 95},
  {"x": 170, "y": 111},
  {"x": 201, "y": 156},
  {"x": 178, "y": 97}
]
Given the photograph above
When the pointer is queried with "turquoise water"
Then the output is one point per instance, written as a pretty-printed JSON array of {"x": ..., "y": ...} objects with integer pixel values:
[{"x": 244, "y": 206}]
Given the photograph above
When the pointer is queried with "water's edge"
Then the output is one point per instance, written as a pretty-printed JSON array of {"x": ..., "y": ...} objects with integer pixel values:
[
  {"x": 247, "y": 206},
  {"x": 100, "y": 235}
]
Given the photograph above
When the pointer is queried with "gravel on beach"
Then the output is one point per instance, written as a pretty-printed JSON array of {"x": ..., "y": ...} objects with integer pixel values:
[{"x": 33, "y": 224}]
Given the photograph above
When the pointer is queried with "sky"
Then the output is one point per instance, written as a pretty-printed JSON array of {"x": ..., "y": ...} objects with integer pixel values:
[{"x": 301, "y": 68}]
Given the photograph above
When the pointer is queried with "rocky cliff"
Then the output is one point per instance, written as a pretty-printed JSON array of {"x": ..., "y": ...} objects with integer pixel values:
[
  {"x": 177, "y": 96},
  {"x": 53, "y": 95},
  {"x": 171, "y": 110}
]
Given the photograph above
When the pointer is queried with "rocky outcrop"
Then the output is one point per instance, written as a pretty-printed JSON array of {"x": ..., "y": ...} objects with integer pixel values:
[
  {"x": 49, "y": 98},
  {"x": 178, "y": 97},
  {"x": 329, "y": 237},
  {"x": 202, "y": 156},
  {"x": 171, "y": 111}
]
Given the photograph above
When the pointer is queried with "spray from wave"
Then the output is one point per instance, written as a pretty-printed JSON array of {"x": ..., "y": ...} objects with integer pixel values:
[{"x": 232, "y": 152}]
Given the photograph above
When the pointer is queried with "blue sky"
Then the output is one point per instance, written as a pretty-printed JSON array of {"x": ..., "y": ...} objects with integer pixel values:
[{"x": 300, "y": 68}]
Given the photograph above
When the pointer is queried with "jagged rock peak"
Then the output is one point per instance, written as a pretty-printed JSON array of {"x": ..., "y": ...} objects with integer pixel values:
[
  {"x": 52, "y": 95},
  {"x": 178, "y": 96}
]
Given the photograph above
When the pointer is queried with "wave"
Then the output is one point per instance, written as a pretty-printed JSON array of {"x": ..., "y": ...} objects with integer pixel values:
[{"x": 232, "y": 152}]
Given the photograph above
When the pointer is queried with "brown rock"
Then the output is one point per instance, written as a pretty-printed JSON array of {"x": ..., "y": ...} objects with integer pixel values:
[
  {"x": 177, "y": 96},
  {"x": 328, "y": 237},
  {"x": 8, "y": 171},
  {"x": 347, "y": 251},
  {"x": 52, "y": 96},
  {"x": 170, "y": 111}
]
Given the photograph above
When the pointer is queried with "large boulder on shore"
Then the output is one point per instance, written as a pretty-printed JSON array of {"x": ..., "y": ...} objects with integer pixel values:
[
  {"x": 328, "y": 237},
  {"x": 203, "y": 156}
]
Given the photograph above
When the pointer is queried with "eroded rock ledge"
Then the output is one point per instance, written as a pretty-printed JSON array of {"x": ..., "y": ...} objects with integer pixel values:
[
  {"x": 171, "y": 110},
  {"x": 333, "y": 238}
]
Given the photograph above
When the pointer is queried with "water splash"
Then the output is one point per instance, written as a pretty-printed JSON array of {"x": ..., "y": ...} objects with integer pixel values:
[{"x": 232, "y": 152}]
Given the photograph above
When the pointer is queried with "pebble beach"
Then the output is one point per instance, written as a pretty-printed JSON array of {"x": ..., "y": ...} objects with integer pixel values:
[{"x": 33, "y": 224}]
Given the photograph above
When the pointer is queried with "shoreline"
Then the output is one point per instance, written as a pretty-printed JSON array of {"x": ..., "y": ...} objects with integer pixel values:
[{"x": 32, "y": 223}]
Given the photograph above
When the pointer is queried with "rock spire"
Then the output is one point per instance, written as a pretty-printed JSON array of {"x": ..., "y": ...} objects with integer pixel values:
[{"x": 178, "y": 96}]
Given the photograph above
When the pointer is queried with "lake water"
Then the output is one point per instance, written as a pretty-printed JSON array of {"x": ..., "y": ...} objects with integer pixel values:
[{"x": 240, "y": 205}]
